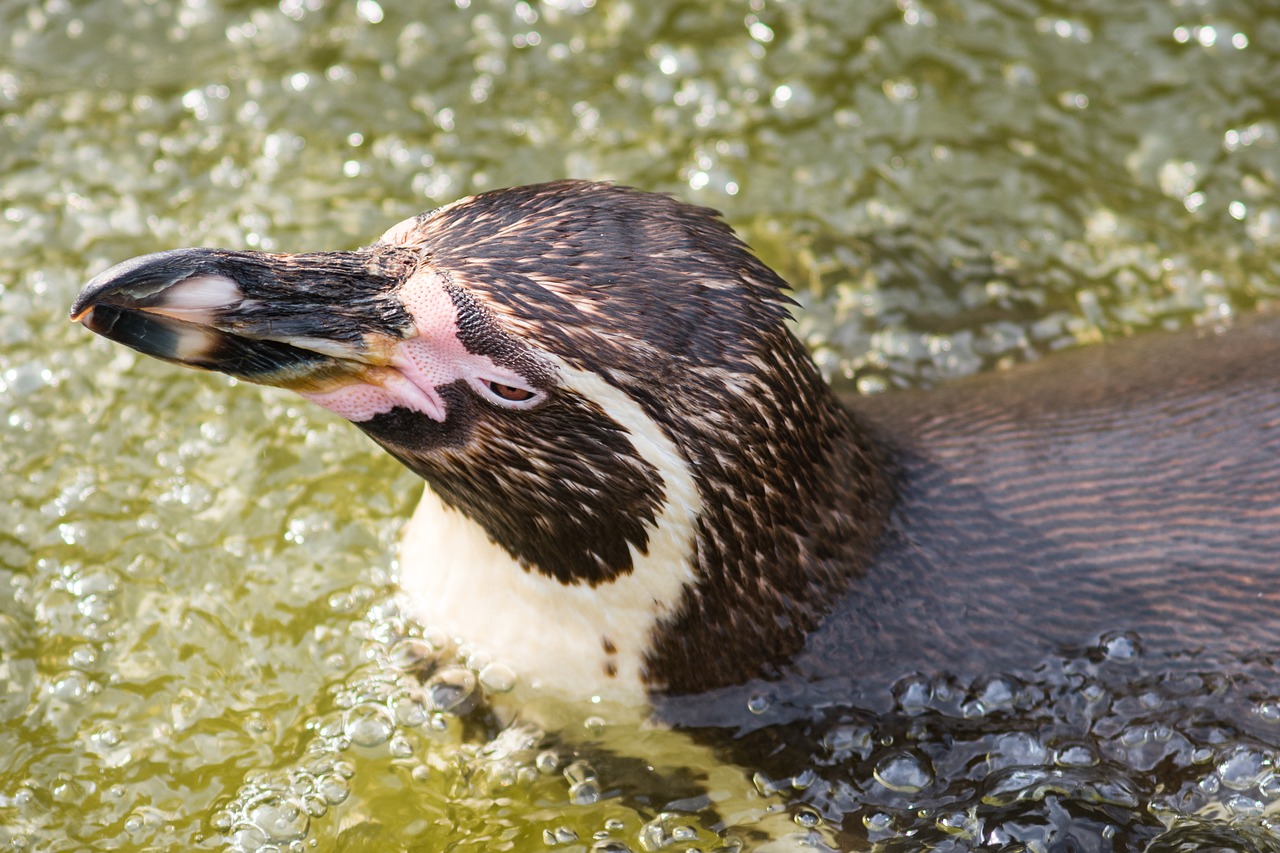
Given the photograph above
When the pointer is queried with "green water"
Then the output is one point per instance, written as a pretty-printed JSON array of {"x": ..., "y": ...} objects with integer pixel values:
[{"x": 199, "y": 641}]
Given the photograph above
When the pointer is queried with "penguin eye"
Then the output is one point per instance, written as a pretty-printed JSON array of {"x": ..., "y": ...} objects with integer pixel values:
[{"x": 509, "y": 393}]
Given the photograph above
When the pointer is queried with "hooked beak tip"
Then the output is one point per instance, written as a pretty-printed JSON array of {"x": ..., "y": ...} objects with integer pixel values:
[{"x": 297, "y": 325}]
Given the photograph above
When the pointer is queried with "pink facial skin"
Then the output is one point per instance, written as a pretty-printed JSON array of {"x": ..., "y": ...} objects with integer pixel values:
[{"x": 434, "y": 358}]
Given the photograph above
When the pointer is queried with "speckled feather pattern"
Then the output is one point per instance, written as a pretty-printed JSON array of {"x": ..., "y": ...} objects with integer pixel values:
[
  {"x": 664, "y": 302},
  {"x": 681, "y": 503},
  {"x": 561, "y": 487}
]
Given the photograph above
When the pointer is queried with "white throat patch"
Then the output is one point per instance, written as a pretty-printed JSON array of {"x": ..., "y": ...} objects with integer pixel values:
[{"x": 573, "y": 641}]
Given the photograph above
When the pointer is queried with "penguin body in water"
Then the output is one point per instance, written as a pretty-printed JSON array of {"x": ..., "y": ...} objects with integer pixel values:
[
  {"x": 639, "y": 488},
  {"x": 638, "y": 485}
]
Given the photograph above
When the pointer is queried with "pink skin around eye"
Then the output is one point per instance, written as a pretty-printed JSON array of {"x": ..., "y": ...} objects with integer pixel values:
[{"x": 422, "y": 364}]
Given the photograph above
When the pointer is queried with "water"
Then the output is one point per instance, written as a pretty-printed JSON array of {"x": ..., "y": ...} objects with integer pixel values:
[{"x": 201, "y": 645}]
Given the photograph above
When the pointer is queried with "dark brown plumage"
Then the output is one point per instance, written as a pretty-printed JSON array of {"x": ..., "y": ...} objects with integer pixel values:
[{"x": 974, "y": 528}]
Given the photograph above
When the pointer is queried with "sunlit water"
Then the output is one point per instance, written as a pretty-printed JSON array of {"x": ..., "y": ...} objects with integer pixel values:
[{"x": 202, "y": 646}]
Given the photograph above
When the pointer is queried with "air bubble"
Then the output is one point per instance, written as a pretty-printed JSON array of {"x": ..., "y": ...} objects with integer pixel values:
[
  {"x": 905, "y": 772},
  {"x": 1243, "y": 768},
  {"x": 1242, "y": 806},
  {"x": 559, "y": 835},
  {"x": 342, "y": 602},
  {"x": 368, "y": 724},
  {"x": 411, "y": 653},
  {"x": 955, "y": 823},
  {"x": 665, "y": 831},
  {"x": 497, "y": 678},
  {"x": 1076, "y": 755},
  {"x": 280, "y": 819},
  {"x": 82, "y": 657},
  {"x": 73, "y": 687},
  {"x": 451, "y": 688},
  {"x": 804, "y": 779},
  {"x": 547, "y": 761},
  {"x": 877, "y": 822},
  {"x": 409, "y": 711},
  {"x": 101, "y": 582},
  {"x": 1120, "y": 646},
  {"x": 848, "y": 739},
  {"x": 334, "y": 788},
  {"x": 584, "y": 789},
  {"x": 1269, "y": 786},
  {"x": 995, "y": 692},
  {"x": 610, "y": 846},
  {"x": 807, "y": 818},
  {"x": 315, "y": 805},
  {"x": 248, "y": 837},
  {"x": 401, "y": 746},
  {"x": 107, "y": 735},
  {"x": 913, "y": 693}
]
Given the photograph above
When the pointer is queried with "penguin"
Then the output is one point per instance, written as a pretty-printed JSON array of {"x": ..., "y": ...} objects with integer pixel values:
[{"x": 639, "y": 487}]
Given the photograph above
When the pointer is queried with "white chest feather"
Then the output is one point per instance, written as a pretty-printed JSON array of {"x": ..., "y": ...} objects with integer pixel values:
[{"x": 575, "y": 641}]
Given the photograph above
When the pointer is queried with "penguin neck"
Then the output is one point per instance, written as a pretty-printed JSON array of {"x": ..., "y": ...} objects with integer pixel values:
[
  {"x": 577, "y": 642},
  {"x": 577, "y": 638},
  {"x": 779, "y": 546},
  {"x": 775, "y": 507}
]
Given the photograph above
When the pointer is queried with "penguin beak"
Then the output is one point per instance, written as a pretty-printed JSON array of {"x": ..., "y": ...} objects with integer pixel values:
[{"x": 306, "y": 322}]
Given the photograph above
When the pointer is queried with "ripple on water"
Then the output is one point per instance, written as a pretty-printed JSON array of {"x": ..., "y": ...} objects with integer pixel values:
[
  {"x": 377, "y": 708},
  {"x": 159, "y": 122}
]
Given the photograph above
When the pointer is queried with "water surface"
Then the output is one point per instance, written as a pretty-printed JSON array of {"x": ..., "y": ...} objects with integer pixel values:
[{"x": 201, "y": 642}]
